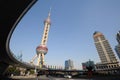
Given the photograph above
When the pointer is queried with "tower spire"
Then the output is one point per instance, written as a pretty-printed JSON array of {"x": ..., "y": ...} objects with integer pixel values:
[
  {"x": 49, "y": 12},
  {"x": 48, "y": 21}
]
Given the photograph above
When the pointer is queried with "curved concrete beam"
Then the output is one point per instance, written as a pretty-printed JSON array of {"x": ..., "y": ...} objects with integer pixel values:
[{"x": 11, "y": 13}]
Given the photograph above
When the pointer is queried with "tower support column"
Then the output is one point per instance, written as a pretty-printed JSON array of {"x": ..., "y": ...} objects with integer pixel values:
[
  {"x": 42, "y": 59},
  {"x": 38, "y": 62}
]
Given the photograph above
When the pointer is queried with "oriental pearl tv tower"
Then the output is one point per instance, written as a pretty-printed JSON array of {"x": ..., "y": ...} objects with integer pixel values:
[{"x": 42, "y": 49}]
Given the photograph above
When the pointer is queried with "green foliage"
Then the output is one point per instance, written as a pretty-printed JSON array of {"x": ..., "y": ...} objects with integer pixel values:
[
  {"x": 13, "y": 70},
  {"x": 32, "y": 72}
]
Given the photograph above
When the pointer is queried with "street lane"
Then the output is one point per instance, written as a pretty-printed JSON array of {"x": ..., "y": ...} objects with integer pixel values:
[{"x": 41, "y": 78}]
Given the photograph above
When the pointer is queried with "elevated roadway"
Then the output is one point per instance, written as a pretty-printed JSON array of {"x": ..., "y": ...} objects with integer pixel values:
[{"x": 11, "y": 13}]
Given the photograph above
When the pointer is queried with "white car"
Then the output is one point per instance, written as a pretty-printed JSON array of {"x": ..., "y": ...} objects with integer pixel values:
[{"x": 68, "y": 76}]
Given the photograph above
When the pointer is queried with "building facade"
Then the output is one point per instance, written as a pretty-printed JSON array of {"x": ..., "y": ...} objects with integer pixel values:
[
  {"x": 104, "y": 49},
  {"x": 69, "y": 65}
]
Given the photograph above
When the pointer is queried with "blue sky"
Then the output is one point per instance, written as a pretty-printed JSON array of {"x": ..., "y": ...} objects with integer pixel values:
[{"x": 73, "y": 23}]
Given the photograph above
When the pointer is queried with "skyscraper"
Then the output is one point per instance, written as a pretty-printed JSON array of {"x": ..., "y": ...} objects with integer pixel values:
[
  {"x": 117, "y": 49},
  {"x": 104, "y": 49},
  {"x": 118, "y": 37},
  {"x": 69, "y": 64}
]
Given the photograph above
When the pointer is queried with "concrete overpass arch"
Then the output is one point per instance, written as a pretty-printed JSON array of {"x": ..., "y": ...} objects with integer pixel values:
[{"x": 11, "y": 13}]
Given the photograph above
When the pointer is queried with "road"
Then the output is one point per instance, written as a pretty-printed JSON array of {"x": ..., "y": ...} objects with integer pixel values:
[
  {"x": 41, "y": 78},
  {"x": 54, "y": 78}
]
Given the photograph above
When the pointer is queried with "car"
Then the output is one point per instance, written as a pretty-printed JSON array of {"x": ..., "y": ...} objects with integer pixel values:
[{"x": 67, "y": 76}]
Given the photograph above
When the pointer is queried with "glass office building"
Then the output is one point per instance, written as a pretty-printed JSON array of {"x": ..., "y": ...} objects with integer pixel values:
[{"x": 69, "y": 64}]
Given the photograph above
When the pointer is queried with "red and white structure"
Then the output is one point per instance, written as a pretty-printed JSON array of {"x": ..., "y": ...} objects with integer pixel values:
[{"x": 42, "y": 49}]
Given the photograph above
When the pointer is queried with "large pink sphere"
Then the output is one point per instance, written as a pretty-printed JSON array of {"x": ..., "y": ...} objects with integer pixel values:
[{"x": 41, "y": 49}]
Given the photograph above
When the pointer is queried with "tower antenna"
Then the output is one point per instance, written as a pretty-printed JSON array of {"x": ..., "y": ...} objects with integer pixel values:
[{"x": 49, "y": 12}]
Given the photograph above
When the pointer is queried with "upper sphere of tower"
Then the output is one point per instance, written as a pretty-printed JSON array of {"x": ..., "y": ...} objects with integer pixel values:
[
  {"x": 48, "y": 21},
  {"x": 97, "y": 34},
  {"x": 41, "y": 49}
]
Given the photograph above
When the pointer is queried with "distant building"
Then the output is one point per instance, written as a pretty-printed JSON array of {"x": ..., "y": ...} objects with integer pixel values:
[
  {"x": 87, "y": 64},
  {"x": 104, "y": 49},
  {"x": 118, "y": 37},
  {"x": 117, "y": 49},
  {"x": 84, "y": 67},
  {"x": 69, "y": 64}
]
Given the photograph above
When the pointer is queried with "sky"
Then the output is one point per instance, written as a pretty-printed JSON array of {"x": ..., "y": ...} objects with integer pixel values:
[{"x": 73, "y": 23}]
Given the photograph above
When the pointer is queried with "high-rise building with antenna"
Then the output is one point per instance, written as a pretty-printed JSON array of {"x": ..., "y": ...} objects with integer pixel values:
[{"x": 42, "y": 49}]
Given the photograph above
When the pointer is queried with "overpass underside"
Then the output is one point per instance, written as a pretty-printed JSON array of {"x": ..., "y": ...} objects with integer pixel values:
[
  {"x": 11, "y": 13},
  {"x": 3, "y": 67}
]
